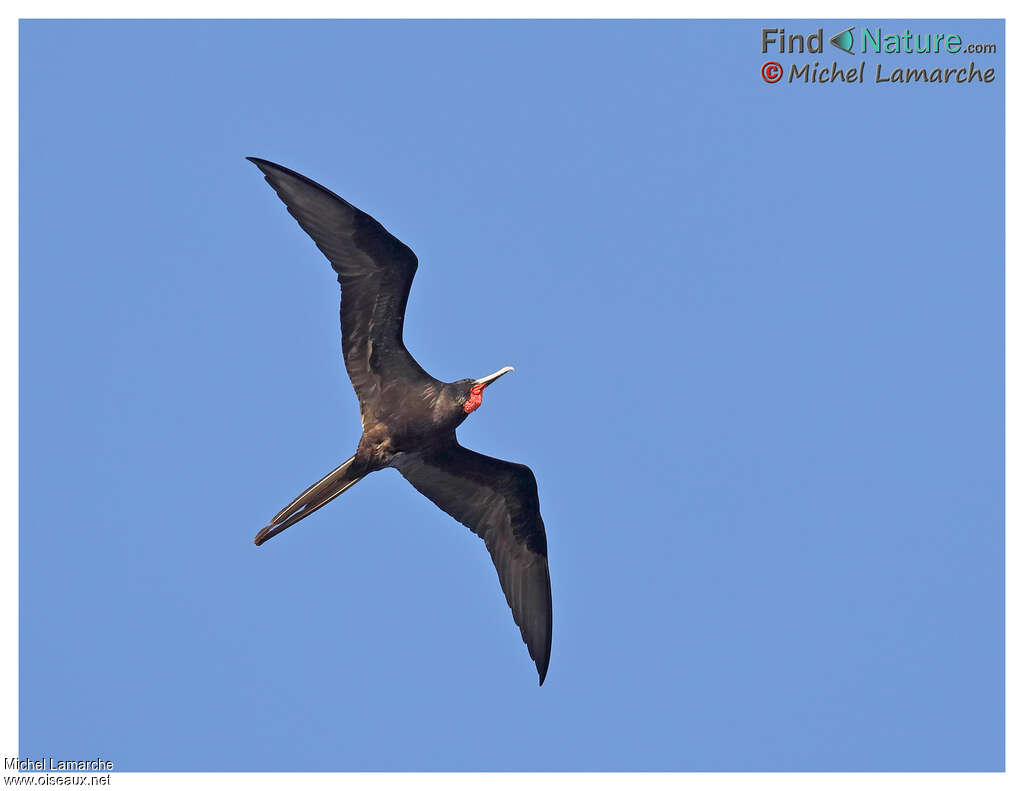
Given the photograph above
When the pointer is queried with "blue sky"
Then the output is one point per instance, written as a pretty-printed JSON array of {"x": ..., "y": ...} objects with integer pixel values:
[{"x": 758, "y": 339}]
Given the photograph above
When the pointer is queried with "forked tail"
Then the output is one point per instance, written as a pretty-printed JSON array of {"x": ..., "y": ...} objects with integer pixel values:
[{"x": 337, "y": 481}]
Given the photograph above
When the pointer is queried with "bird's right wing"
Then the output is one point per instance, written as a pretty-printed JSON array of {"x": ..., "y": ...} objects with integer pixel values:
[
  {"x": 375, "y": 271},
  {"x": 498, "y": 501}
]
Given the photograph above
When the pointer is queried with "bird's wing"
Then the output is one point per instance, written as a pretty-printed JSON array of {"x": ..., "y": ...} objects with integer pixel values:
[
  {"x": 498, "y": 501},
  {"x": 375, "y": 271}
]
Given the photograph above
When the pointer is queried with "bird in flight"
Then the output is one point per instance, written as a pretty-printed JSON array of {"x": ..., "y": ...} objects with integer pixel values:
[{"x": 409, "y": 417}]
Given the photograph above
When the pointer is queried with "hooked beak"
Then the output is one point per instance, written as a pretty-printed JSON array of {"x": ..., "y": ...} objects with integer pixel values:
[{"x": 482, "y": 383}]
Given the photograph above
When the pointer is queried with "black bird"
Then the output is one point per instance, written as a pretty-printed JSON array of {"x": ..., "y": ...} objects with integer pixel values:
[{"x": 409, "y": 417}]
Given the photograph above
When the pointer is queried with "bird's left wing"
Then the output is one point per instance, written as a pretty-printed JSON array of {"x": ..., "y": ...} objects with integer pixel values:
[
  {"x": 375, "y": 271},
  {"x": 498, "y": 501}
]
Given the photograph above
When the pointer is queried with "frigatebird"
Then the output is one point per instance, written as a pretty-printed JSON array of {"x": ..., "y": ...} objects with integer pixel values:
[{"x": 409, "y": 418}]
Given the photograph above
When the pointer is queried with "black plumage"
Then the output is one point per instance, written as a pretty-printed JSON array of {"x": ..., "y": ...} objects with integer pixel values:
[{"x": 409, "y": 418}]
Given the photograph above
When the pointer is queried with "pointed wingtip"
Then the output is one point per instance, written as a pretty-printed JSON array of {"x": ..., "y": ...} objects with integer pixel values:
[{"x": 267, "y": 167}]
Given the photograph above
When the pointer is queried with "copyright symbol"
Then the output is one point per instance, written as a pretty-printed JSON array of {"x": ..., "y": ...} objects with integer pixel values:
[{"x": 771, "y": 71}]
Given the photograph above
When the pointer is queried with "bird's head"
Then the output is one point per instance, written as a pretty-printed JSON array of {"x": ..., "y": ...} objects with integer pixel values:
[{"x": 472, "y": 394}]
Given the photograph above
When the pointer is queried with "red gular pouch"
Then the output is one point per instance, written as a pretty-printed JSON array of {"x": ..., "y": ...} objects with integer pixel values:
[{"x": 476, "y": 398}]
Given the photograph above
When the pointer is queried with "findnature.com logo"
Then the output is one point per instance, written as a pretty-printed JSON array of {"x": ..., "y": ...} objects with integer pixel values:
[{"x": 874, "y": 41}]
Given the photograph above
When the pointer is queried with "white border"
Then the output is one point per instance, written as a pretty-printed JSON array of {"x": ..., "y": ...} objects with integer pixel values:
[{"x": 495, "y": 9}]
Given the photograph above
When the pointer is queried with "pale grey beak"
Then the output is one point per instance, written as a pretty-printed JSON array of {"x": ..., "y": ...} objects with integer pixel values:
[{"x": 493, "y": 377}]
